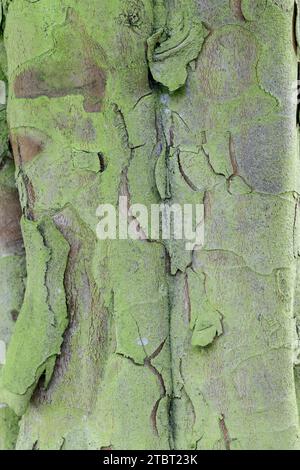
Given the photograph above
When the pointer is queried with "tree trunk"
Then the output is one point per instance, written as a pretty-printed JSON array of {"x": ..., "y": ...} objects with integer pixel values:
[
  {"x": 141, "y": 344},
  {"x": 12, "y": 266}
]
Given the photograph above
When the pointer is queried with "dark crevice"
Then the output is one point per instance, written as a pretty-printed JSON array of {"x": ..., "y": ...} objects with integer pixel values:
[
  {"x": 157, "y": 351},
  {"x": 102, "y": 162},
  {"x": 61, "y": 447},
  {"x": 129, "y": 358},
  {"x": 294, "y": 28},
  {"x": 154, "y": 416},
  {"x": 204, "y": 141},
  {"x": 185, "y": 177},
  {"x": 153, "y": 85},
  {"x": 171, "y": 136},
  {"x": 141, "y": 98},
  {"x": 122, "y": 124},
  {"x": 10, "y": 149},
  {"x": 14, "y": 315},
  {"x": 3, "y": 163},
  {"x": 39, "y": 389},
  {"x": 35, "y": 445},
  {"x": 181, "y": 119}
]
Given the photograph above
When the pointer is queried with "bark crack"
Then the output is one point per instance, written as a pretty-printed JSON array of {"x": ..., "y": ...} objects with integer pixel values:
[
  {"x": 185, "y": 177},
  {"x": 225, "y": 432}
]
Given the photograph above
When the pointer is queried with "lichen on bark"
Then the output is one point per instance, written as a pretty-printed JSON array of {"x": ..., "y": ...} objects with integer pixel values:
[{"x": 177, "y": 101}]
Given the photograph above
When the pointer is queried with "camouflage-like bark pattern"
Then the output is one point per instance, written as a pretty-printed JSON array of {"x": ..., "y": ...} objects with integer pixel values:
[{"x": 140, "y": 344}]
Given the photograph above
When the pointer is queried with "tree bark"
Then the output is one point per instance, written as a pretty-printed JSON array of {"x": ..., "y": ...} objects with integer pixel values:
[
  {"x": 141, "y": 344},
  {"x": 12, "y": 266}
]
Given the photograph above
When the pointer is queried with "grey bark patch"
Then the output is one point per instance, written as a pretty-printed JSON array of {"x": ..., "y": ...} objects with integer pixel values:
[
  {"x": 82, "y": 128},
  {"x": 226, "y": 66},
  {"x": 260, "y": 150},
  {"x": 2, "y": 92}
]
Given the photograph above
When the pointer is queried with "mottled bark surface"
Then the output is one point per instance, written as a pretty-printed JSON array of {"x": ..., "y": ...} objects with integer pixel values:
[
  {"x": 12, "y": 262},
  {"x": 141, "y": 344}
]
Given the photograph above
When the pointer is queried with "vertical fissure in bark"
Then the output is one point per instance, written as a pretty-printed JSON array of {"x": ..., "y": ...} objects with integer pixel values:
[
  {"x": 26, "y": 185},
  {"x": 294, "y": 28},
  {"x": 225, "y": 432}
]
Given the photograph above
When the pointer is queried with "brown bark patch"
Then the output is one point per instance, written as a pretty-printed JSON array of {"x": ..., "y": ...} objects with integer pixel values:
[
  {"x": 26, "y": 147},
  {"x": 62, "y": 79},
  {"x": 236, "y": 7},
  {"x": 10, "y": 215},
  {"x": 225, "y": 433},
  {"x": 72, "y": 68}
]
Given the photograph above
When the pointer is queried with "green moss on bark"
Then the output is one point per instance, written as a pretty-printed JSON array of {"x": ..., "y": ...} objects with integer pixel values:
[{"x": 186, "y": 350}]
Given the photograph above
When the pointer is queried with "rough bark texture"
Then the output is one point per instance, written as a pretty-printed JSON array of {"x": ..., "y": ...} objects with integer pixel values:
[
  {"x": 12, "y": 266},
  {"x": 141, "y": 344}
]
